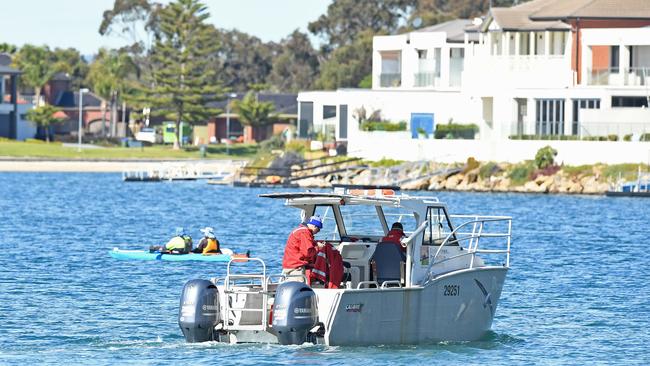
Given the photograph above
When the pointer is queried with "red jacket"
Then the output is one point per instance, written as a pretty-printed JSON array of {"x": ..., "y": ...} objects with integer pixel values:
[
  {"x": 300, "y": 249},
  {"x": 394, "y": 236},
  {"x": 328, "y": 267}
]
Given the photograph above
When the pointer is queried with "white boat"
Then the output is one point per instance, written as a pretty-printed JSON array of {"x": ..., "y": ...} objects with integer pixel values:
[{"x": 447, "y": 287}]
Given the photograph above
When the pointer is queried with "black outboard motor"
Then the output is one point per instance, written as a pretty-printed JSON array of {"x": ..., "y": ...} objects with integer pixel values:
[
  {"x": 199, "y": 310},
  {"x": 295, "y": 312}
]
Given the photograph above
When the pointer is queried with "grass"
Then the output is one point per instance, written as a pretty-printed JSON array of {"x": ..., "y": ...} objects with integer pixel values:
[
  {"x": 56, "y": 150},
  {"x": 626, "y": 171}
]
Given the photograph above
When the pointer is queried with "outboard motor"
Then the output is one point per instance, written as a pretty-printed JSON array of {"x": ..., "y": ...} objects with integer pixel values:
[
  {"x": 295, "y": 312},
  {"x": 199, "y": 310}
]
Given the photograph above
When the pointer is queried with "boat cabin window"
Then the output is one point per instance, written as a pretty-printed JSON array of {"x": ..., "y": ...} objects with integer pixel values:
[
  {"x": 406, "y": 218},
  {"x": 362, "y": 222},
  {"x": 330, "y": 230},
  {"x": 439, "y": 228}
]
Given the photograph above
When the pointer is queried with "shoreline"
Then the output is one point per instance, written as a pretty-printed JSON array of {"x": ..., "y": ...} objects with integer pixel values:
[{"x": 35, "y": 165}]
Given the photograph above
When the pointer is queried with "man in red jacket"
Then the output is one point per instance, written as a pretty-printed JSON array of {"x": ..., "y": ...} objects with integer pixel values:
[
  {"x": 395, "y": 236},
  {"x": 300, "y": 250}
]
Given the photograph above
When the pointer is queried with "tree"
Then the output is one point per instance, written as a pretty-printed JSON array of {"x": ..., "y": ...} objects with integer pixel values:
[
  {"x": 243, "y": 59},
  {"x": 129, "y": 18},
  {"x": 345, "y": 20},
  {"x": 252, "y": 112},
  {"x": 296, "y": 67},
  {"x": 109, "y": 77},
  {"x": 35, "y": 63},
  {"x": 545, "y": 157},
  {"x": 348, "y": 65},
  {"x": 70, "y": 61},
  {"x": 180, "y": 84},
  {"x": 44, "y": 116},
  {"x": 8, "y": 48}
]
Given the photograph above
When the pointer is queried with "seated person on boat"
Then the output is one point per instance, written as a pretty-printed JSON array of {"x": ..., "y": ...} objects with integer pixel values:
[
  {"x": 181, "y": 243},
  {"x": 395, "y": 235},
  {"x": 209, "y": 243}
]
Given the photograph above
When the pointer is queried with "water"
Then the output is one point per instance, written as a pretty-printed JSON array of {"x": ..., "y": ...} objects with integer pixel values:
[{"x": 577, "y": 293}]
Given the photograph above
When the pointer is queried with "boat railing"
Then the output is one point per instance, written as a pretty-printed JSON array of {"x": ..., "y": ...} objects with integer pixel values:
[
  {"x": 479, "y": 228},
  {"x": 233, "y": 287}
]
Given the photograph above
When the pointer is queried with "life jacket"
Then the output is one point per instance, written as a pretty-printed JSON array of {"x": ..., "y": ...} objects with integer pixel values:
[
  {"x": 212, "y": 246},
  {"x": 328, "y": 267},
  {"x": 394, "y": 236}
]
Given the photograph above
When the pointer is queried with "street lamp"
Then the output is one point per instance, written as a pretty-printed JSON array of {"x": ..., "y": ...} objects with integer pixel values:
[
  {"x": 81, "y": 99},
  {"x": 231, "y": 95}
]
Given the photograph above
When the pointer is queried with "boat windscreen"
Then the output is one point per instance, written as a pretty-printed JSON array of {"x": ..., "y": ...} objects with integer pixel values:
[{"x": 361, "y": 221}]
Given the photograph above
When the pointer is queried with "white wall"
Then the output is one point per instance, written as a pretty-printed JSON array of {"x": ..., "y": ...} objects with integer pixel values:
[{"x": 395, "y": 145}]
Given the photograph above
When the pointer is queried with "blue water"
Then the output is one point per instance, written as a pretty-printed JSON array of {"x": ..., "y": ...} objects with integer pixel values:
[{"x": 577, "y": 293}]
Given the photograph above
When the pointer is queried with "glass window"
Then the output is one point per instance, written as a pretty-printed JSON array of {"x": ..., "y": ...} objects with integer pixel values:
[
  {"x": 422, "y": 54},
  {"x": 406, "y": 218},
  {"x": 329, "y": 111},
  {"x": 362, "y": 221},
  {"x": 329, "y": 231}
]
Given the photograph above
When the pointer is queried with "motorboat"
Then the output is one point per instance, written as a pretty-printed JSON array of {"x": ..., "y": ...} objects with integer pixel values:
[
  {"x": 445, "y": 287},
  {"x": 636, "y": 188}
]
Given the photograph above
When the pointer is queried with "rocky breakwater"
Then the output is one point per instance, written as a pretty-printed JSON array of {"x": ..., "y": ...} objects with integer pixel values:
[{"x": 474, "y": 176}]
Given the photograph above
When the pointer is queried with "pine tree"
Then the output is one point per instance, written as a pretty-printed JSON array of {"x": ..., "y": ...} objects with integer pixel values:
[{"x": 181, "y": 78}]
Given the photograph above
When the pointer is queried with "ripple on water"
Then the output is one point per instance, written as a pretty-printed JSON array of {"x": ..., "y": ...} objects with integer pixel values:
[{"x": 576, "y": 293}]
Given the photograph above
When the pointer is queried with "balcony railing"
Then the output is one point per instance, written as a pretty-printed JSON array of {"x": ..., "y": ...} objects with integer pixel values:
[
  {"x": 633, "y": 76},
  {"x": 390, "y": 80},
  {"x": 425, "y": 79}
]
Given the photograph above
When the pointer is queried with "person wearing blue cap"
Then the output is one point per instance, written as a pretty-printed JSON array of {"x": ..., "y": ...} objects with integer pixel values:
[
  {"x": 301, "y": 248},
  {"x": 181, "y": 243}
]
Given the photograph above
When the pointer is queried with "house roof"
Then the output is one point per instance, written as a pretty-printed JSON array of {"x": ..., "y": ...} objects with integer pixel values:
[
  {"x": 70, "y": 99},
  {"x": 610, "y": 9},
  {"x": 284, "y": 103},
  {"x": 455, "y": 30},
  {"x": 8, "y": 70},
  {"x": 516, "y": 19},
  {"x": 540, "y": 15}
]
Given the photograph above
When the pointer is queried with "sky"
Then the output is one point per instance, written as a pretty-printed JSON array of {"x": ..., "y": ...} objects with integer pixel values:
[{"x": 74, "y": 23}]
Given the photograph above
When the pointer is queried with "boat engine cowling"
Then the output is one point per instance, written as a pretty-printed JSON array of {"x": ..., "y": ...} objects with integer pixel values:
[
  {"x": 199, "y": 310},
  {"x": 295, "y": 312}
]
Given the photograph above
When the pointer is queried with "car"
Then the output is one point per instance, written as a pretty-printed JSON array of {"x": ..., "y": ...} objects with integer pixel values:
[{"x": 149, "y": 134}]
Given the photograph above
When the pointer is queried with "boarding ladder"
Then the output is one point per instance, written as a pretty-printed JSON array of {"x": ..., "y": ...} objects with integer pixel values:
[{"x": 242, "y": 297}]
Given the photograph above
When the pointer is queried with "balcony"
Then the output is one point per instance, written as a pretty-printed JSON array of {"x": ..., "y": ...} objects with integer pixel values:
[
  {"x": 390, "y": 80},
  {"x": 633, "y": 76},
  {"x": 423, "y": 79}
]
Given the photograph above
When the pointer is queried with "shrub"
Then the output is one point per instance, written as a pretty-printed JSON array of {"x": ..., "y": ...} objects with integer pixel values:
[
  {"x": 548, "y": 171},
  {"x": 488, "y": 170},
  {"x": 456, "y": 131},
  {"x": 297, "y": 146},
  {"x": 645, "y": 137},
  {"x": 276, "y": 142},
  {"x": 385, "y": 163},
  {"x": 612, "y": 137},
  {"x": 627, "y": 137},
  {"x": 545, "y": 157},
  {"x": 383, "y": 126},
  {"x": 521, "y": 173}
]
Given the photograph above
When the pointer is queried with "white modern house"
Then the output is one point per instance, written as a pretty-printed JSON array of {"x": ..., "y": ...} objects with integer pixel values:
[{"x": 559, "y": 69}]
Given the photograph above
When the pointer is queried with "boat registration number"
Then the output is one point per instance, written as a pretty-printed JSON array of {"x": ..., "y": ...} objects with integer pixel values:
[{"x": 451, "y": 290}]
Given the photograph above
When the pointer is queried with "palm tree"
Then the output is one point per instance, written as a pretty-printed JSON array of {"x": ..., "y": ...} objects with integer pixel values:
[
  {"x": 44, "y": 116},
  {"x": 108, "y": 77},
  {"x": 37, "y": 69},
  {"x": 252, "y": 112}
]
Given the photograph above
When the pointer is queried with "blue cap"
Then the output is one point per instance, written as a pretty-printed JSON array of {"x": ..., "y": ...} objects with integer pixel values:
[
  {"x": 316, "y": 221},
  {"x": 180, "y": 231}
]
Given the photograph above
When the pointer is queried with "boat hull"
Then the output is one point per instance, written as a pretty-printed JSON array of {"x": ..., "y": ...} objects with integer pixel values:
[{"x": 459, "y": 306}]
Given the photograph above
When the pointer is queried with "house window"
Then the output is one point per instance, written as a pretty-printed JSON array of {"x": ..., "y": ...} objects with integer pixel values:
[
  {"x": 549, "y": 117},
  {"x": 629, "y": 102},
  {"x": 582, "y": 104},
  {"x": 613, "y": 59},
  {"x": 329, "y": 111},
  {"x": 422, "y": 54}
]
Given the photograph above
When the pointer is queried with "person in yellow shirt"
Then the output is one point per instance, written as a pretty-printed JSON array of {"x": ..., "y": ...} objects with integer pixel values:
[
  {"x": 181, "y": 243},
  {"x": 209, "y": 243}
]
